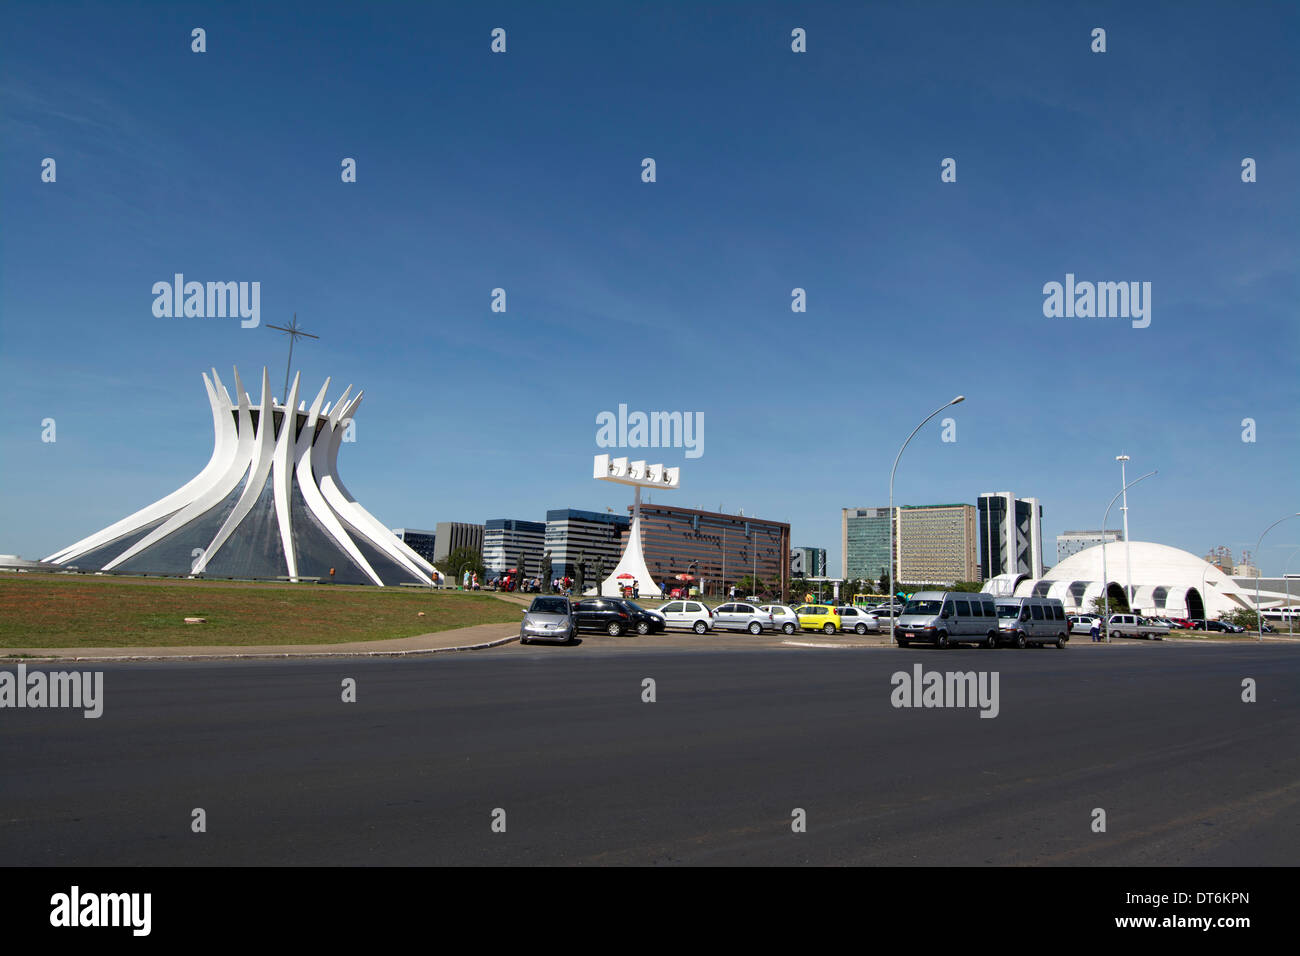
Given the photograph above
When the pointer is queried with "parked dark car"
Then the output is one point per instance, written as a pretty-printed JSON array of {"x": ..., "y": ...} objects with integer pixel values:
[
  {"x": 1220, "y": 626},
  {"x": 615, "y": 617},
  {"x": 645, "y": 621}
]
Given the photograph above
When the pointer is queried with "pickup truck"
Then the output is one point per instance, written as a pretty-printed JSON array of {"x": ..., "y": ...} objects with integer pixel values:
[{"x": 1132, "y": 625}]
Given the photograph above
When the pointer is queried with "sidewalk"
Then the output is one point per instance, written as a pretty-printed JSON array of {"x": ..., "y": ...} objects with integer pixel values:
[{"x": 458, "y": 639}]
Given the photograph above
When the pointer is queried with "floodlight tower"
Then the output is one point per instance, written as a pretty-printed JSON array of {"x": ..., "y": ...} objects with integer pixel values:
[{"x": 639, "y": 475}]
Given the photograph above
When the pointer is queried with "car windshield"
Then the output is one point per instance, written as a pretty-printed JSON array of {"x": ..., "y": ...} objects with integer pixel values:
[
  {"x": 549, "y": 605},
  {"x": 921, "y": 607},
  {"x": 1008, "y": 610},
  {"x": 633, "y": 605}
]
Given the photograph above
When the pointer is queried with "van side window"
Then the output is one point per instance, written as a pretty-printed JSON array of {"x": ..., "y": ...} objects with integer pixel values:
[
  {"x": 963, "y": 609},
  {"x": 1037, "y": 611},
  {"x": 988, "y": 609},
  {"x": 1058, "y": 612}
]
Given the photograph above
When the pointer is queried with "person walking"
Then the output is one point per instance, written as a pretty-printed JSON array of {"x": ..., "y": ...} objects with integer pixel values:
[{"x": 1095, "y": 630}]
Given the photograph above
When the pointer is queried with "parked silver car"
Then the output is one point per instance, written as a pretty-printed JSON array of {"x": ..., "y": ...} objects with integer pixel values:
[
  {"x": 858, "y": 619},
  {"x": 783, "y": 617},
  {"x": 739, "y": 616},
  {"x": 548, "y": 619}
]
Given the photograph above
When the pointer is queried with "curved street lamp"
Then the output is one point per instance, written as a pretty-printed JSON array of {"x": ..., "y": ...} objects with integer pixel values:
[
  {"x": 1205, "y": 605},
  {"x": 1105, "y": 577},
  {"x": 893, "y": 585},
  {"x": 1259, "y": 612}
]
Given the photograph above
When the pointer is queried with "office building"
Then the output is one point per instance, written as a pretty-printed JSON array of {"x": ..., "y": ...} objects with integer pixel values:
[
  {"x": 718, "y": 548},
  {"x": 592, "y": 535},
  {"x": 808, "y": 563},
  {"x": 1072, "y": 542},
  {"x": 936, "y": 545},
  {"x": 864, "y": 543},
  {"x": 421, "y": 542},
  {"x": 509, "y": 543},
  {"x": 1010, "y": 535},
  {"x": 451, "y": 535}
]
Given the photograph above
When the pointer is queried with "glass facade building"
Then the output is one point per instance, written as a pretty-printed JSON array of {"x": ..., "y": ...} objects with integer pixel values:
[
  {"x": 421, "y": 542},
  {"x": 808, "y": 563},
  {"x": 509, "y": 543},
  {"x": 864, "y": 541},
  {"x": 592, "y": 535},
  {"x": 1010, "y": 535},
  {"x": 719, "y": 549}
]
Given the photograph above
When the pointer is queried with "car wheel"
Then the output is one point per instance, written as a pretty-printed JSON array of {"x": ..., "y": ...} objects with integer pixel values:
[
  {"x": 642, "y": 627},
  {"x": 701, "y": 627},
  {"x": 788, "y": 627},
  {"x": 861, "y": 629},
  {"x": 615, "y": 629},
  {"x": 523, "y": 640},
  {"x": 1060, "y": 642},
  {"x": 941, "y": 640},
  {"x": 991, "y": 640},
  {"x": 828, "y": 628},
  {"x": 755, "y": 627},
  {"x": 1020, "y": 641}
]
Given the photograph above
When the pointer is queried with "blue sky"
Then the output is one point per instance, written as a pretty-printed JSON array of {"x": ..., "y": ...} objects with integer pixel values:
[{"x": 775, "y": 170}]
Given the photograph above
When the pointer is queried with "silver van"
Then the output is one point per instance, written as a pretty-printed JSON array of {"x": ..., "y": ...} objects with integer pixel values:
[
  {"x": 943, "y": 618},
  {"x": 1025, "y": 621}
]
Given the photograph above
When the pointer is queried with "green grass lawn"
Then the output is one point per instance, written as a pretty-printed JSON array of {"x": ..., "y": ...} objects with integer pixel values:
[{"x": 57, "y": 610}]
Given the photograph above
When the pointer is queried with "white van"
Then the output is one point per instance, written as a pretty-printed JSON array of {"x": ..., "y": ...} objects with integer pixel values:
[
  {"x": 943, "y": 618},
  {"x": 1025, "y": 621}
]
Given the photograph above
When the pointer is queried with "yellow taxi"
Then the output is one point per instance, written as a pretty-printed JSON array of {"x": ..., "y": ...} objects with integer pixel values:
[{"x": 818, "y": 617}]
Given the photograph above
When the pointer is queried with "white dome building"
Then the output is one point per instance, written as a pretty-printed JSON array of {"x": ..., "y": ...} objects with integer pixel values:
[{"x": 1166, "y": 581}]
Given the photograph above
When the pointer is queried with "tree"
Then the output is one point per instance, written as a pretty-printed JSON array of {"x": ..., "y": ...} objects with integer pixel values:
[
  {"x": 884, "y": 582},
  {"x": 462, "y": 560},
  {"x": 1243, "y": 617},
  {"x": 1118, "y": 605},
  {"x": 969, "y": 586},
  {"x": 749, "y": 585}
]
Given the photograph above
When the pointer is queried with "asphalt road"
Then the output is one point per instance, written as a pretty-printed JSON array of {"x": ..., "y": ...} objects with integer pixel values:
[{"x": 587, "y": 773}]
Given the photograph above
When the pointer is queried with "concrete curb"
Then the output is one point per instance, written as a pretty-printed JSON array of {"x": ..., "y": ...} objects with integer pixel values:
[
  {"x": 820, "y": 644},
  {"x": 283, "y": 655}
]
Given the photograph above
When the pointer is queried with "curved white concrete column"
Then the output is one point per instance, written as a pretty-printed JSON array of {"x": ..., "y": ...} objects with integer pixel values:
[{"x": 255, "y": 455}]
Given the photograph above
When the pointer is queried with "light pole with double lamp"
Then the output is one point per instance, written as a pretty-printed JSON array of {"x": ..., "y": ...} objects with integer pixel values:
[
  {"x": 1128, "y": 564},
  {"x": 1259, "y": 612},
  {"x": 893, "y": 585},
  {"x": 1105, "y": 576}
]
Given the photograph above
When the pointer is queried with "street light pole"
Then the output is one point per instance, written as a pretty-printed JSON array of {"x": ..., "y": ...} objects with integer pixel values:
[
  {"x": 1205, "y": 605},
  {"x": 1259, "y": 614},
  {"x": 1105, "y": 576},
  {"x": 1128, "y": 564},
  {"x": 1286, "y": 614},
  {"x": 893, "y": 585}
]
